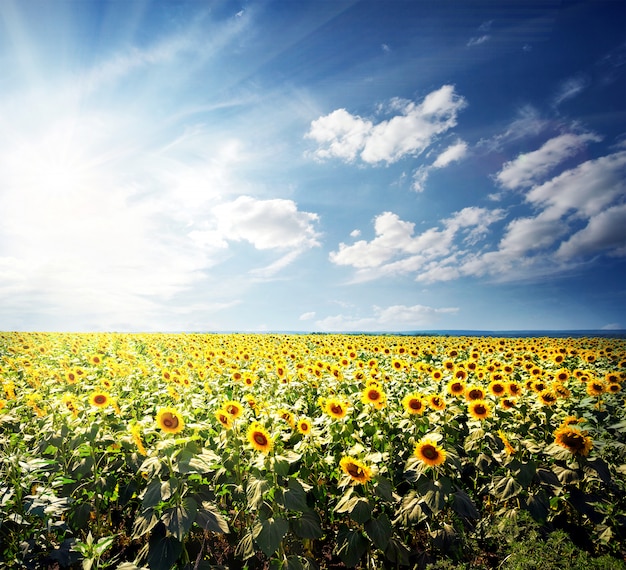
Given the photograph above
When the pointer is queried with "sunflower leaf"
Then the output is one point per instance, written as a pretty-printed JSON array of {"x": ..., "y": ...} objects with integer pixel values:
[
  {"x": 209, "y": 518},
  {"x": 379, "y": 530},
  {"x": 269, "y": 534},
  {"x": 309, "y": 525},
  {"x": 351, "y": 545}
]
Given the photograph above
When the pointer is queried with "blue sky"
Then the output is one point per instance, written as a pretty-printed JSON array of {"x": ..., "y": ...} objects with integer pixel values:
[{"x": 312, "y": 165}]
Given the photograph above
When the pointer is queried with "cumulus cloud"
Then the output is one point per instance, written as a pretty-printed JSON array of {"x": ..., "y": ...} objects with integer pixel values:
[
  {"x": 393, "y": 318},
  {"x": 396, "y": 250},
  {"x": 453, "y": 153},
  {"x": 408, "y": 133},
  {"x": 528, "y": 168},
  {"x": 266, "y": 224}
]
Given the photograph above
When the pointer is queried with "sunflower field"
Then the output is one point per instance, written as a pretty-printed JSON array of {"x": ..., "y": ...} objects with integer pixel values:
[{"x": 197, "y": 451}]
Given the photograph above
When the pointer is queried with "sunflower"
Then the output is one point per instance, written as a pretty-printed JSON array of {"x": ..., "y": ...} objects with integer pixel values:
[
  {"x": 474, "y": 393},
  {"x": 225, "y": 419},
  {"x": 335, "y": 408},
  {"x": 170, "y": 420},
  {"x": 233, "y": 408},
  {"x": 577, "y": 442},
  {"x": 259, "y": 438},
  {"x": 358, "y": 471},
  {"x": 456, "y": 387},
  {"x": 508, "y": 448},
  {"x": 304, "y": 426},
  {"x": 135, "y": 432},
  {"x": 414, "y": 404},
  {"x": 71, "y": 377},
  {"x": 508, "y": 403},
  {"x": 514, "y": 388},
  {"x": 436, "y": 402},
  {"x": 429, "y": 452},
  {"x": 479, "y": 409},
  {"x": 99, "y": 399},
  {"x": 595, "y": 387},
  {"x": 287, "y": 416},
  {"x": 613, "y": 387},
  {"x": 497, "y": 388},
  {"x": 374, "y": 396},
  {"x": 548, "y": 397}
]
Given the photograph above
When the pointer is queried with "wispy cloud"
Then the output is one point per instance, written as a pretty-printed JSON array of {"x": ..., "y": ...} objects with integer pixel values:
[
  {"x": 531, "y": 167},
  {"x": 453, "y": 153},
  {"x": 345, "y": 136},
  {"x": 570, "y": 88},
  {"x": 392, "y": 318}
]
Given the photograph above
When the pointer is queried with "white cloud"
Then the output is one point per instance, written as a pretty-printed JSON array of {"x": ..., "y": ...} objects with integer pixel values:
[
  {"x": 605, "y": 231},
  {"x": 531, "y": 167},
  {"x": 395, "y": 250},
  {"x": 266, "y": 224},
  {"x": 346, "y": 136},
  {"x": 528, "y": 123},
  {"x": 307, "y": 316},
  {"x": 570, "y": 88},
  {"x": 453, "y": 153},
  {"x": 475, "y": 41},
  {"x": 393, "y": 318}
]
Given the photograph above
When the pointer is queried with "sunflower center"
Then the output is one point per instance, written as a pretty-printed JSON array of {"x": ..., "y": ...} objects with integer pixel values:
[
  {"x": 259, "y": 438},
  {"x": 354, "y": 470},
  {"x": 480, "y": 409},
  {"x": 335, "y": 409},
  {"x": 475, "y": 394},
  {"x": 373, "y": 395},
  {"x": 100, "y": 399},
  {"x": 430, "y": 451},
  {"x": 574, "y": 441},
  {"x": 457, "y": 387},
  {"x": 170, "y": 421},
  {"x": 415, "y": 404}
]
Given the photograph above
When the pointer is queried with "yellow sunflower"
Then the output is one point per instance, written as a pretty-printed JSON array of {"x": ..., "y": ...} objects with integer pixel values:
[
  {"x": 170, "y": 420},
  {"x": 508, "y": 448},
  {"x": 414, "y": 404},
  {"x": 548, "y": 397},
  {"x": 335, "y": 408},
  {"x": 497, "y": 388},
  {"x": 474, "y": 393},
  {"x": 595, "y": 387},
  {"x": 225, "y": 419},
  {"x": 436, "y": 402},
  {"x": 304, "y": 426},
  {"x": 577, "y": 442},
  {"x": 233, "y": 408},
  {"x": 259, "y": 438},
  {"x": 374, "y": 396},
  {"x": 479, "y": 409},
  {"x": 358, "y": 471},
  {"x": 287, "y": 416},
  {"x": 456, "y": 387},
  {"x": 99, "y": 399},
  {"x": 429, "y": 452}
]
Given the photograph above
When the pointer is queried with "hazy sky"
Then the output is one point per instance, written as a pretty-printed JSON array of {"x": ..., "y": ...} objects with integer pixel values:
[{"x": 309, "y": 165}]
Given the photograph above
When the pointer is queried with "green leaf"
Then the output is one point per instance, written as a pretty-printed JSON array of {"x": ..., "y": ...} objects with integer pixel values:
[
  {"x": 254, "y": 492},
  {"x": 464, "y": 506},
  {"x": 384, "y": 489},
  {"x": 538, "y": 506},
  {"x": 209, "y": 518},
  {"x": 506, "y": 487},
  {"x": 379, "y": 530},
  {"x": 309, "y": 525},
  {"x": 269, "y": 533},
  {"x": 144, "y": 523},
  {"x": 397, "y": 552},
  {"x": 293, "y": 498},
  {"x": 601, "y": 468},
  {"x": 168, "y": 488},
  {"x": 163, "y": 552},
  {"x": 361, "y": 512},
  {"x": 245, "y": 547},
  {"x": 351, "y": 545},
  {"x": 152, "y": 494},
  {"x": 525, "y": 472},
  {"x": 410, "y": 508},
  {"x": 434, "y": 494},
  {"x": 179, "y": 518}
]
